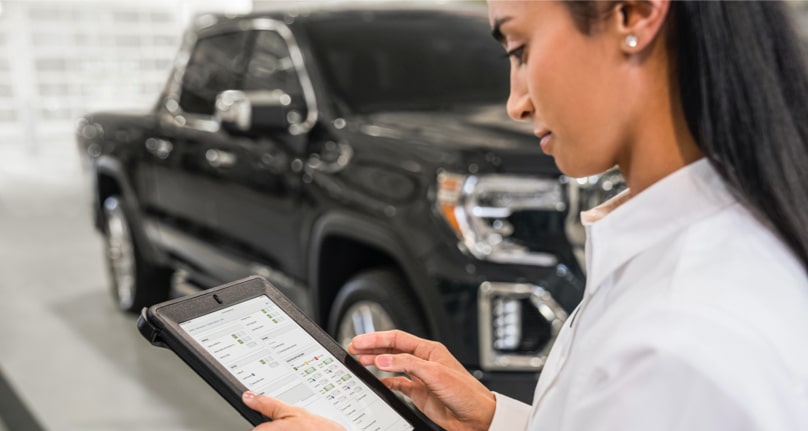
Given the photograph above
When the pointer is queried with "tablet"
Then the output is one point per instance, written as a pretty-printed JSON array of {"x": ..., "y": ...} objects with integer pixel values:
[{"x": 247, "y": 335}]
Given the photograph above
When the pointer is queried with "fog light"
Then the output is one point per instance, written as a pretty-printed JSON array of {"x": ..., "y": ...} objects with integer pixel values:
[
  {"x": 507, "y": 314},
  {"x": 518, "y": 323}
]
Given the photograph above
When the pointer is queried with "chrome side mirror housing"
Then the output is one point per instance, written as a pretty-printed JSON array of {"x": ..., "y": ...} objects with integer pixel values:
[
  {"x": 233, "y": 110},
  {"x": 255, "y": 111}
]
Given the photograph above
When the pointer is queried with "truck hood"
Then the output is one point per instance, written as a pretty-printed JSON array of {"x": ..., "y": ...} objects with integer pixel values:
[
  {"x": 484, "y": 127},
  {"x": 481, "y": 135}
]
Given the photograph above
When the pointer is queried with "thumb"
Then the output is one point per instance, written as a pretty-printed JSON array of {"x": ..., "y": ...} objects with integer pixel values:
[{"x": 272, "y": 408}]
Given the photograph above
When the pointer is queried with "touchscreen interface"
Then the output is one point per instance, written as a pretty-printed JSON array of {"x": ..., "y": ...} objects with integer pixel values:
[{"x": 270, "y": 354}]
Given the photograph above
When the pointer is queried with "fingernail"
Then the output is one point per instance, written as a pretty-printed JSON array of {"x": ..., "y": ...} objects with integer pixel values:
[
  {"x": 249, "y": 396},
  {"x": 384, "y": 361}
]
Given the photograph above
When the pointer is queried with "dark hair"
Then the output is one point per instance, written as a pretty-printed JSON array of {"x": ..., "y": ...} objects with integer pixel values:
[{"x": 743, "y": 84}]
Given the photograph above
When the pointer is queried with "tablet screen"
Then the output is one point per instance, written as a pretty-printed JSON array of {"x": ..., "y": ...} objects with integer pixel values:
[{"x": 270, "y": 354}]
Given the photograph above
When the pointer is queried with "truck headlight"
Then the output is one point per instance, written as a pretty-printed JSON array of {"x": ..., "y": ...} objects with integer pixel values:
[{"x": 478, "y": 207}]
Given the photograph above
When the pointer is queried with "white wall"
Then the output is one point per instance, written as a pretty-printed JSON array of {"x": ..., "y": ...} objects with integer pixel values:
[{"x": 60, "y": 59}]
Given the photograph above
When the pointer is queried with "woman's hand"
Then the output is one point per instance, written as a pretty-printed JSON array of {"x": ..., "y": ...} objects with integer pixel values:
[
  {"x": 438, "y": 384},
  {"x": 285, "y": 416}
]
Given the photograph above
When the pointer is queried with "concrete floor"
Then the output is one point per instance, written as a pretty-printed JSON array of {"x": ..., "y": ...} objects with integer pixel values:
[{"x": 75, "y": 361}]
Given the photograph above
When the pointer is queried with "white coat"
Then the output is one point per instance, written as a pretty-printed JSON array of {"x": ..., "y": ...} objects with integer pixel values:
[{"x": 695, "y": 317}]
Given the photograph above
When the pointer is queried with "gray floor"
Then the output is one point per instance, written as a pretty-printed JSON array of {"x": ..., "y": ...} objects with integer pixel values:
[{"x": 75, "y": 361}]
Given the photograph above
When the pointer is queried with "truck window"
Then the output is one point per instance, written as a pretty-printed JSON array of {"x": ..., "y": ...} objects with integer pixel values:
[
  {"x": 389, "y": 62},
  {"x": 271, "y": 67},
  {"x": 216, "y": 65}
]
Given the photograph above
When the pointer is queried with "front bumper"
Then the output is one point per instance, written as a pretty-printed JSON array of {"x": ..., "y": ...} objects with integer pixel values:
[{"x": 463, "y": 293}]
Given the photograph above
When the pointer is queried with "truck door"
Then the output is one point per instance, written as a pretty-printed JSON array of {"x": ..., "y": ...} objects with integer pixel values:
[
  {"x": 187, "y": 170},
  {"x": 261, "y": 209}
]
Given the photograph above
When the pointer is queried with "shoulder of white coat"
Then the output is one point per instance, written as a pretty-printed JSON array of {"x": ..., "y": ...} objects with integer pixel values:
[
  {"x": 732, "y": 262},
  {"x": 727, "y": 267},
  {"x": 736, "y": 294}
]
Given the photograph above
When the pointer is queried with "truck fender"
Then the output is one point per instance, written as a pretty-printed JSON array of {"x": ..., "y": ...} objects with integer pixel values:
[
  {"x": 369, "y": 232},
  {"x": 113, "y": 168}
]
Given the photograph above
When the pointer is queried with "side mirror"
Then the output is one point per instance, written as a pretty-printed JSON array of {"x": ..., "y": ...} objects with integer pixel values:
[
  {"x": 233, "y": 110},
  {"x": 238, "y": 111}
]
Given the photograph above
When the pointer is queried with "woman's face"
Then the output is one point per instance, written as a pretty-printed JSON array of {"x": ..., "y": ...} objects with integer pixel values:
[{"x": 571, "y": 86}]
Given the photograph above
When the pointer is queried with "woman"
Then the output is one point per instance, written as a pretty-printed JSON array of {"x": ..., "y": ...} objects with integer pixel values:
[{"x": 696, "y": 305}]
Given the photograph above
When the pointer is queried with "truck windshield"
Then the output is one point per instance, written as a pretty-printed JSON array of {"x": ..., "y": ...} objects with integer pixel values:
[{"x": 408, "y": 61}]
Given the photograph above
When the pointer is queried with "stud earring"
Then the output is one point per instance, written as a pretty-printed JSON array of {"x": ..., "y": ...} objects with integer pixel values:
[{"x": 632, "y": 41}]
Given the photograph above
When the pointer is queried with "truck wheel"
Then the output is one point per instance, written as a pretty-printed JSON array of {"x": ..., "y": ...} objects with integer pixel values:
[
  {"x": 374, "y": 300},
  {"x": 135, "y": 282}
]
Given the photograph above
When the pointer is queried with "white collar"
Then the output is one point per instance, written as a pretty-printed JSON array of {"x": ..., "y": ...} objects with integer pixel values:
[{"x": 626, "y": 225}]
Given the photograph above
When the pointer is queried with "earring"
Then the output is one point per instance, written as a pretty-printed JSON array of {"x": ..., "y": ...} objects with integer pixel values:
[{"x": 632, "y": 41}]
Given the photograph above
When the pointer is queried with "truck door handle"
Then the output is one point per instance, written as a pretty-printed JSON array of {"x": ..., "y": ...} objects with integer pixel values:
[{"x": 220, "y": 159}]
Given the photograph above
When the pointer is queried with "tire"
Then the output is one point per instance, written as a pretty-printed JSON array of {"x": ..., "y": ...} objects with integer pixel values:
[
  {"x": 383, "y": 296},
  {"x": 374, "y": 300},
  {"x": 135, "y": 283}
]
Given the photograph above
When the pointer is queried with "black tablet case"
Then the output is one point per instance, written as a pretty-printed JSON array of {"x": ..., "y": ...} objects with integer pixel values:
[{"x": 156, "y": 329}]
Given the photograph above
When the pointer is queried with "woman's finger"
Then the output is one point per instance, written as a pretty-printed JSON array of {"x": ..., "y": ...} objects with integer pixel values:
[
  {"x": 393, "y": 340},
  {"x": 366, "y": 360},
  {"x": 354, "y": 351},
  {"x": 412, "y": 365},
  {"x": 400, "y": 384},
  {"x": 272, "y": 408},
  {"x": 397, "y": 342}
]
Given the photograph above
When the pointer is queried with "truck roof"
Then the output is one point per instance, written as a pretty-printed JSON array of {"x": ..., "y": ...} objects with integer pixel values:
[{"x": 343, "y": 11}]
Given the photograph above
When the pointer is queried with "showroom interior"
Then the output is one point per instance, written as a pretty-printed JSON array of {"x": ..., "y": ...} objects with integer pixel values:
[{"x": 69, "y": 358}]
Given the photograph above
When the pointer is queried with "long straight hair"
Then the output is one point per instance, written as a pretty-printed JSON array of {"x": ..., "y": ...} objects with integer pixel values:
[{"x": 743, "y": 84}]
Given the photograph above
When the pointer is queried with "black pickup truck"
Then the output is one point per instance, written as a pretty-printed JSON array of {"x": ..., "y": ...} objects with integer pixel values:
[{"x": 362, "y": 161}]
